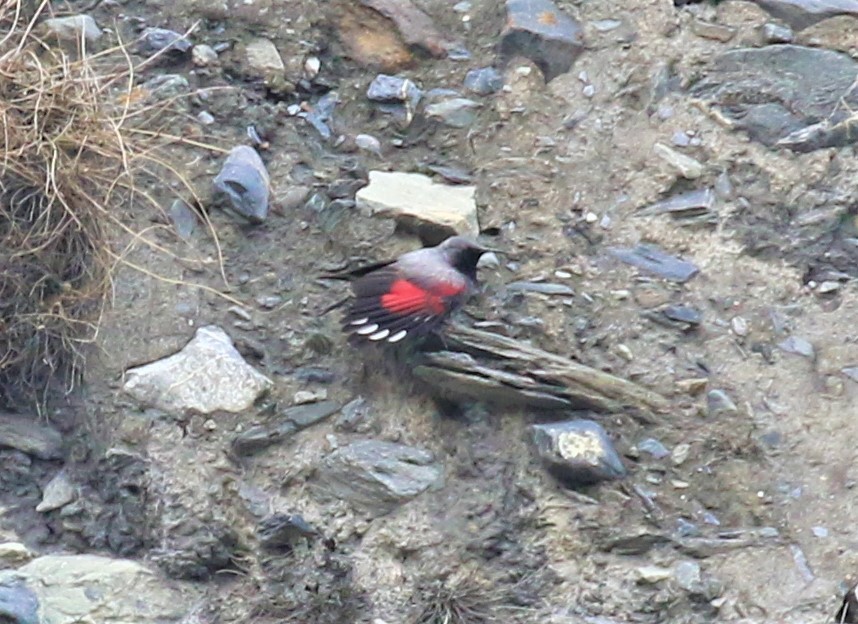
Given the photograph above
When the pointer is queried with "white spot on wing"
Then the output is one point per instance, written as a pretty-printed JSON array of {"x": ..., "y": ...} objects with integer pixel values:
[
  {"x": 368, "y": 329},
  {"x": 384, "y": 333},
  {"x": 398, "y": 336},
  {"x": 361, "y": 321}
]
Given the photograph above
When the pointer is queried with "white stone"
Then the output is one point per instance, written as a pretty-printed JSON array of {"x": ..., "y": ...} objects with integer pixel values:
[
  {"x": 59, "y": 492},
  {"x": 263, "y": 57},
  {"x": 13, "y": 554},
  {"x": 208, "y": 375},
  {"x": 415, "y": 199},
  {"x": 71, "y": 27},
  {"x": 688, "y": 167}
]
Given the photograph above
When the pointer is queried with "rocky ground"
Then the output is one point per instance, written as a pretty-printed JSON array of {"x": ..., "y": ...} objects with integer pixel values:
[{"x": 675, "y": 188}]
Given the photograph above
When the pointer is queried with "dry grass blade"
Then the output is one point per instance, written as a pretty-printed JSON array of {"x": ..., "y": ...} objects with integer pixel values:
[{"x": 72, "y": 165}]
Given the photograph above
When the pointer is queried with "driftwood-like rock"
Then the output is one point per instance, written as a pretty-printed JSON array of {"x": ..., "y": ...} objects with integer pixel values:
[{"x": 498, "y": 369}]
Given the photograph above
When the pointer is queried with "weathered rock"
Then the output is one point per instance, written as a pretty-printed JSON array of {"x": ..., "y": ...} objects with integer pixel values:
[
  {"x": 539, "y": 31},
  {"x": 455, "y": 112},
  {"x": 283, "y": 531},
  {"x": 263, "y": 59},
  {"x": 776, "y": 91},
  {"x": 418, "y": 203},
  {"x": 711, "y": 30},
  {"x": 578, "y": 452},
  {"x": 651, "y": 258},
  {"x": 798, "y": 346},
  {"x": 376, "y": 476},
  {"x": 687, "y": 166},
  {"x": 183, "y": 217},
  {"x": 72, "y": 27},
  {"x": 208, "y": 375},
  {"x": 30, "y": 437},
  {"x": 204, "y": 55},
  {"x": 166, "y": 86},
  {"x": 12, "y": 555},
  {"x": 356, "y": 416},
  {"x": 18, "y": 604},
  {"x": 685, "y": 205},
  {"x": 244, "y": 180},
  {"x": 800, "y": 14},
  {"x": 168, "y": 42},
  {"x": 718, "y": 402},
  {"x": 59, "y": 492},
  {"x": 653, "y": 447},
  {"x": 290, "y": 422},
  {"x": 484, "y": 81},
  {"x": 543, "y": 288},
  {"x": 323, "y": 113},
  {"x": 777, "y": 33},
  {"x": 385, "y": 88},
  {"x": 67, "y": 589}
]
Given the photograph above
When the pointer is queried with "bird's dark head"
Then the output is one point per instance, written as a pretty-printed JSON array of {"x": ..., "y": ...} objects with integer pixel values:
[{"x": 463, "y": 253}]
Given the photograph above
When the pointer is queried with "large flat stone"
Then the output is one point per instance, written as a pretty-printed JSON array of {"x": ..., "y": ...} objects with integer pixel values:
[
  {"x": 803, "y": 13},
  {"x": 420, "y": 204},
  {"x": 30, "y": 437}
]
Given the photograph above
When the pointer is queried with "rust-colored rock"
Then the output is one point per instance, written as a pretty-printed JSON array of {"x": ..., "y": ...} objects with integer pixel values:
[{"x": 382, "y": 33}]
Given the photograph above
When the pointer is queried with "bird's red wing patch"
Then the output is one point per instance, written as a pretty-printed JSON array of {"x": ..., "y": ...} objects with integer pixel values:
[{"x": 405, "y": 297}]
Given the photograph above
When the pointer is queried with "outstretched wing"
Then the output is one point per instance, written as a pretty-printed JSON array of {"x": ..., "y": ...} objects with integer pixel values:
[{"x": 390, "y": 305}]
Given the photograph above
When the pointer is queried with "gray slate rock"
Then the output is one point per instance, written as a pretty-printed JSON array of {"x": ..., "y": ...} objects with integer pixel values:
[
  {"x": 776, "y": 91},
  {"x": 539, "y": 31},
  {"x": 18, "y": 605},
  {"x": 386, "y": 89},
  {"x": 30, "y": 437},
  {"x": 59, "y": 492},
  {"x": 154, "y": 40},
  {"x": 244, "y": 180},
  {"x": 456, "y": 112},
  {"x": 484, "y": 81},
  {"x": 208, "y": 375},
  {"x": 284, "y": 531},
  {"x": 803, "y": 13},
  {"x": 376, "y": 476},
  {"x": 71, "y": 27},
  {"x": 290, "y": 422},
  {"x": 578, "y": 452},
  {"x": 184, "y": 219},
  {"x": 652, "y": 259},
  {"x": 68, "y": 589}
]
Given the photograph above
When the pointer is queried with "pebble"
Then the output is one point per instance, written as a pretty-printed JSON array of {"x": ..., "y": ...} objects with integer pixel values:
[
  {"x": 819, "y": 531},
  {"x": 322, "y": 113},
  {"x": 484, "y": 81},
  {"x": 710, "y": 30},
  {"x": 71, "y": 27},
  {"x": 718, "y": 402},
  {"x": 419, "y": 203},
  {"x": 289, "y": 422},
  {"x": 654, "y": 574},
  {"x": 539, "y": 31},
  {"x": 798, "y": 346},
  {"x": 653, "y": 447},
  {"x": 244, "y": 180},
  {"x": 680, "y": 454},
  {"x": 692, "y": 386},
  {"x": 688, "y": 167},
  {"x": 683, "y": 314},
  {"x": 687, "y": 575},
  {"x": 577, "y": 452},
  {"x": 154, "y": 40},
  {"x": 680, "y": 139},
  {"x": 263, "y": 59},
  {"x": 588, "y": 91},
  {"x": 309, "y": 396},
  {"x": 651, "y": 258},
  {"x": 284, "y": 531},
  {"x": 205, "y": 118},
  {"x": 385, "y": 88},
  {"x": 488, "y": 260},
  {"x": 203, "y": 55},
  {"x": 827, "y": 287},
  {"x": 776, "y": 33},
  {"x": 739, "y": 325},
  {"x": 184, "y": 218},
  {"x": 606, "y": 25},
  {"x": 368, "y": 143},
  {"x": 455, "y": 112},
  {"x": 167, "y": 86},
  {"x": 312, "y": 67}
]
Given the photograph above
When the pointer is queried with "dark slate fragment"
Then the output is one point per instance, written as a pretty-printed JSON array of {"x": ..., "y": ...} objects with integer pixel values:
[
  {"x": 244, "y": 180},
  {"x": 18, "y": 604},
  {"x": 284, "y": 531},
  {"x": 651, "y": 258},
  {"x": 578, "y": 452},
  {"x": 291, "y": 421},
  {"x": 154, "y": 40},
  {"x": 484, "y": 81}
]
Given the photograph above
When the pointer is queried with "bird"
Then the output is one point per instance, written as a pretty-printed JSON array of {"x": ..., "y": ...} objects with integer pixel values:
[{"x": 412, "y": 295}]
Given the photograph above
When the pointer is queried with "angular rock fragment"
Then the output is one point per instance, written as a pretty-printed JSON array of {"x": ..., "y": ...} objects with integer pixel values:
[
  {"x": 578, "y": 452},
  {"x": 455, "y": 112},
  {"x": 283, "y": 531},
  {"x": 687, "y": 166},
  {"x": 376, "y": 476},
  {"x": 244, "y": 180},
  {"x": 263, "y": 59},
  {"x": 208, "y": 375},
  {"x": 291, "y": 421},
  {"x": 28, "y": 436},
  {"x": 539, "y": 31},
  {"x": 435, "y": 211},
  {"x": 154, "y": 40},
  {"x": 72, "y": 27},
  {"x": 651, "y": 258},
  {"x": 59, "y": 492},
  {"x": 484, "y": 81}
]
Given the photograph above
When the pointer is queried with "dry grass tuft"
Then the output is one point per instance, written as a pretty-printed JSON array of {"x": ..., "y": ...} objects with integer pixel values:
[
  {"x": 78, "y": 141},
  {"x": 459, "y": 599}
]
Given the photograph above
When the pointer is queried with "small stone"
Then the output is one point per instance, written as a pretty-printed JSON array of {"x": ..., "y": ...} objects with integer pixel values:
[
  {"x": 420, "y": 204},
  {"x": 309, "y": 396},
  {"x": 154, "y": 40},
  {"x": 654, "y": 448},
  {"x": 577, "y": 452},
  {"x": 284, "y": 531},
  {"x": 368, "y": 143},
  {"x": 244, "y": 180},
  {"x": 312, "y": 66},
  {"x": 651, "y": 258},
  {"x": 653, "y": 574},
  {"x": 692, "y": 386},
  {"x": 544, "y": 288},
  {"x": 356, "y": 416},
  {"x": 709, "y": 30},
  {"x": 488, "y": 260},
  {"x": 687, "y": 575},
  {"x": 288, "y": 423},
  {"x": 207, "y": 376},
  {"x": 59, "y": 492},
  {"x": 166, "y": 86},
  {"x": 210, "y": 425},
  {"x": 718, "y": 402},
  {"x": 25, "y": 434},
  {"x": 683, "y": 314},
  {"x": 775, "y": 33},
  {"x": 263, "y": 59},
  {"x": 798, "y": 346},
  {"x": 385, "y": 88},
  {"x": 462, "y": 7},
  {"x": 203, "y": 55},
  {"x": 851, "y": 372},
  {"x": 13, "y": 554},
  {"x": 739, "y": 325},
  {"x": 455, "y": 112},
  {"x": 184, "y": 218},
  {"x": 819, "y": 531},
  {"x": 828, "y": 287},
  {"x": 484, "y": 81},
  {"x": 539, "y": 31},
  {"x": 205, "y": 118},
  {"x": 688, "y": 167},
  {"x": 376, "y": 476},
  {"x": 72, "y": 27},
  {"x": 680, "y": 139},
  {"x": 680, "y": 454}
]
